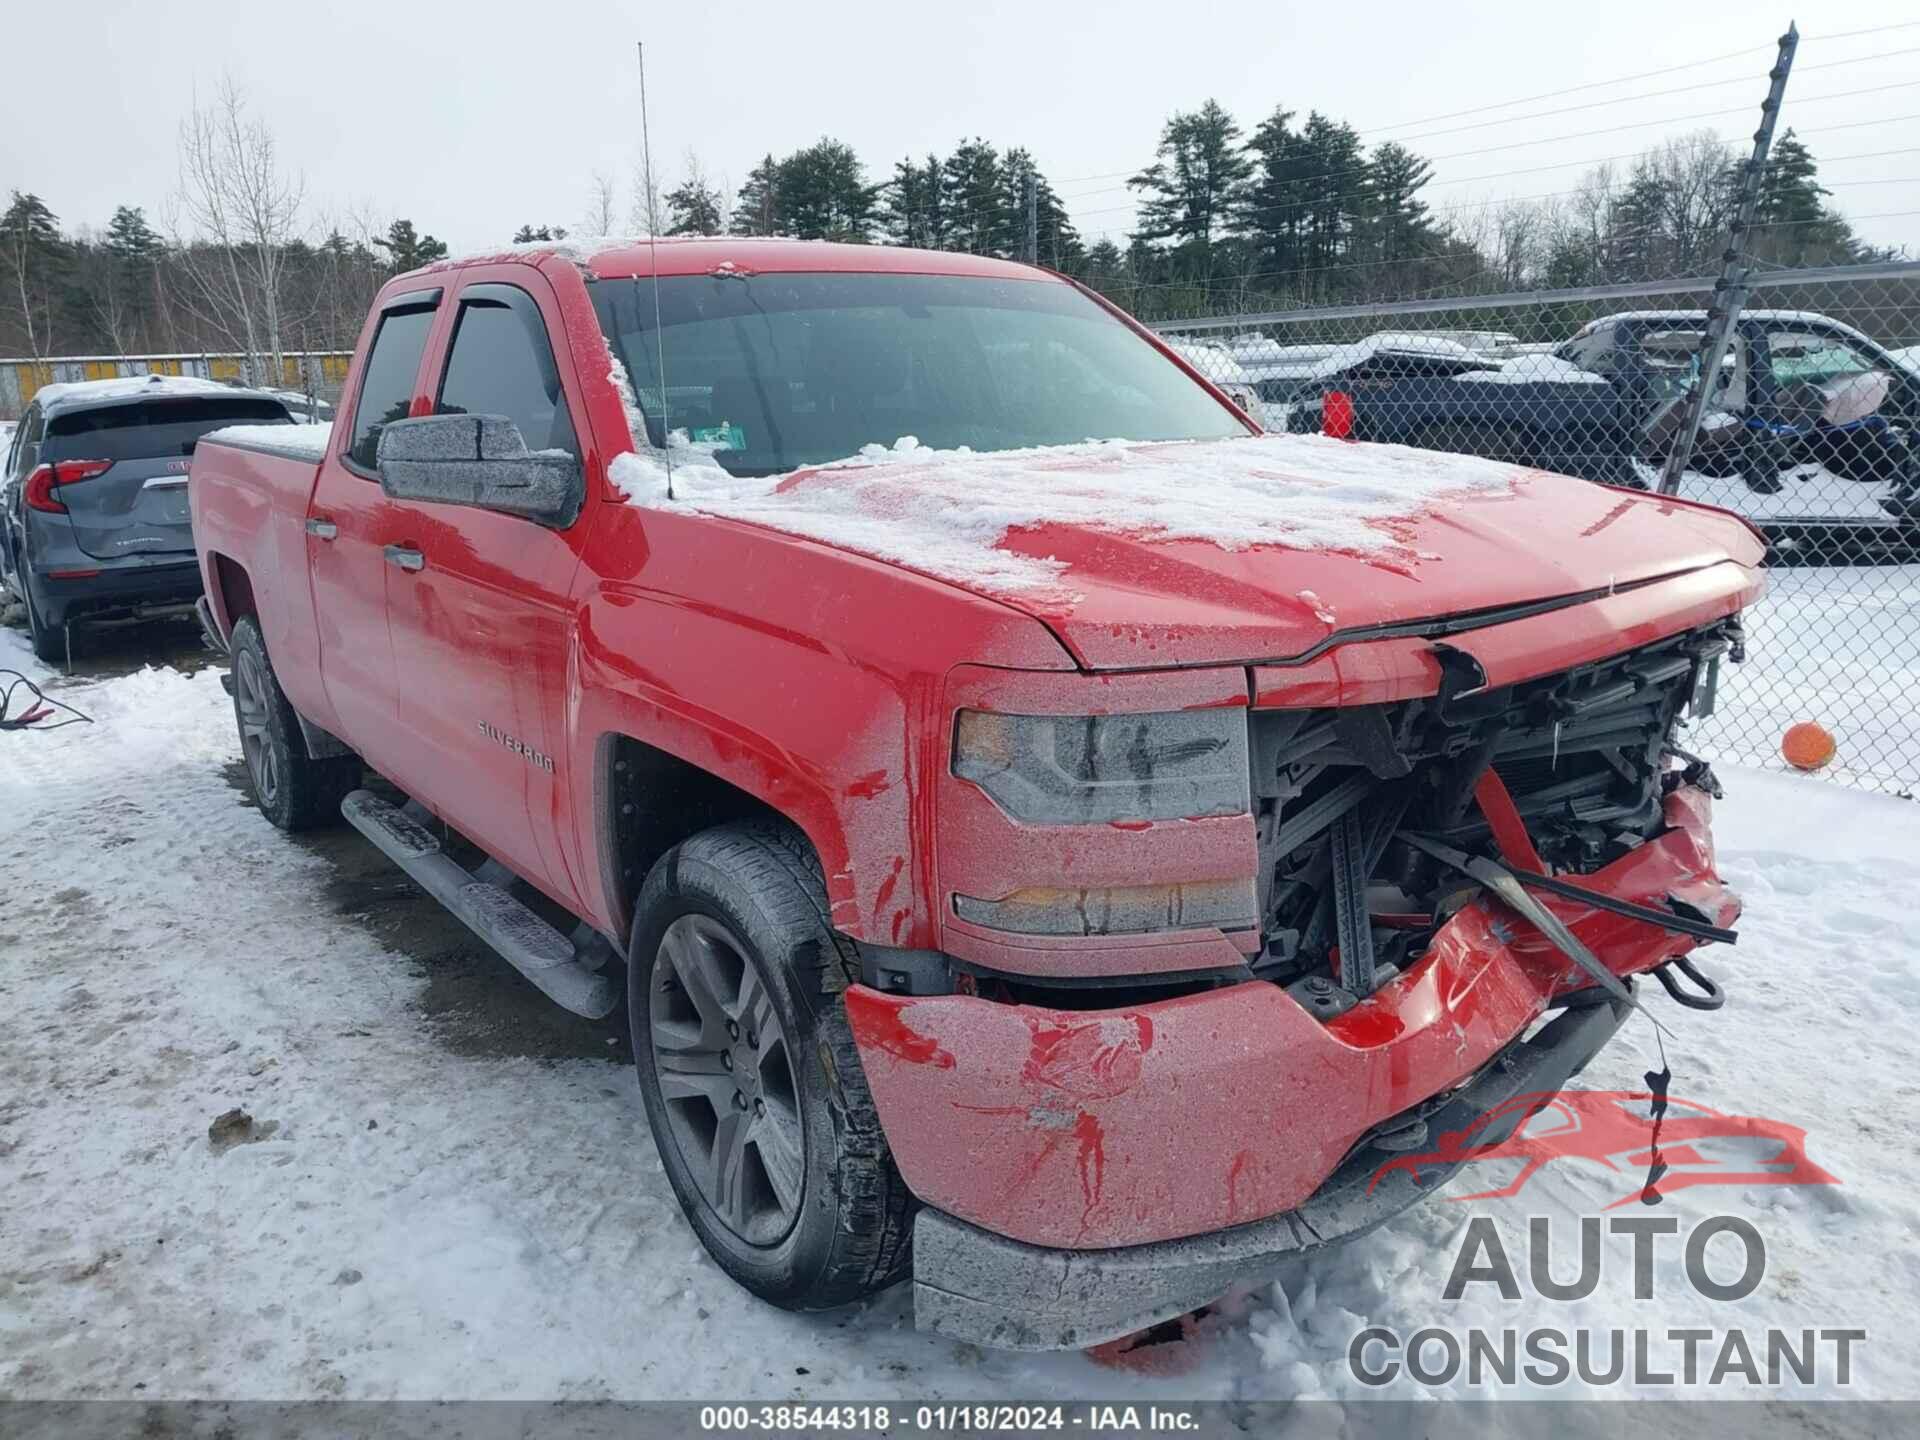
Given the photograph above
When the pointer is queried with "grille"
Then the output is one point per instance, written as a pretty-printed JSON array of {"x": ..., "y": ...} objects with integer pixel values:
[{"x": 1584, "y": 754}]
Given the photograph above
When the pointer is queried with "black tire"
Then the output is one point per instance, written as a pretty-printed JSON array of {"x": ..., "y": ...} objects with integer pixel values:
[
  {"x": 292, "y": 789},
  {"x": 851, "y": 1224},
  {"x": 49, "y": 644},
  {"x": 1763, "y": 461}
]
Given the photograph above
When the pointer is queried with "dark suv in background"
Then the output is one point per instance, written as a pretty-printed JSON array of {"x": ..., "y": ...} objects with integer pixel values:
[{"x": 93, "y": 499}]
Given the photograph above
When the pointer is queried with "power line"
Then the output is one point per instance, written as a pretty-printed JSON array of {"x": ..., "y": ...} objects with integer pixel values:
[
  {"x": 1650, "y": 75},
  {"x": 1552, "y": 139},
  {"x": 1529, "y": 99},
  {"x": 1239, "y": 280},
  {"x": 1654, "y": 95}
]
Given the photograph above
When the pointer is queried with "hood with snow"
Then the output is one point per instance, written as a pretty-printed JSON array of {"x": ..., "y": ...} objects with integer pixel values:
[{"x": 1199, "y": 552}]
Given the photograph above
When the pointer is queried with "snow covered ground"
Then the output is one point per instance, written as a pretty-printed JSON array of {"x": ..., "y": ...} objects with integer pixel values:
[
  {"x": 452, "y": 1192},
  {"x": 1835, "y": 644}
]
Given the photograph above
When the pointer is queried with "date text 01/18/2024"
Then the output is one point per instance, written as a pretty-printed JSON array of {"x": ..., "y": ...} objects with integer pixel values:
[{"x": 944, "y": 1419}]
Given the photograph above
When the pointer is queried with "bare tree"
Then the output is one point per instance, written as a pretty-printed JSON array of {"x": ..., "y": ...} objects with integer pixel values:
[
  {"x": 110, "y": 290},
  {"x": 234, "y": 216},
  {"x": 600, "y": 218},
  {"x": 649, "y": 213}
]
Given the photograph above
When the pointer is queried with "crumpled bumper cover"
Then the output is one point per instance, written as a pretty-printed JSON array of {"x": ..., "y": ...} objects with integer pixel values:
[
  {"x": 984, "y": 1288},
  {"x": 1103, "y": 1129}
]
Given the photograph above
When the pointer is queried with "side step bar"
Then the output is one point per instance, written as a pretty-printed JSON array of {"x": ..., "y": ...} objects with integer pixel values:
[{"x": 569, "y": 971}]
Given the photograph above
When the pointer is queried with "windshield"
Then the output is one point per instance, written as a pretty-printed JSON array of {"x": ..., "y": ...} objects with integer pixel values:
[
  {"x": 151, "y": 428},
  {"x": 773, "y": 372}
]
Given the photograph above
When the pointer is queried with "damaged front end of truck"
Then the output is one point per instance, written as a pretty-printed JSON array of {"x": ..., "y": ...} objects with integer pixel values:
[{"x": 1218, "y": 945}]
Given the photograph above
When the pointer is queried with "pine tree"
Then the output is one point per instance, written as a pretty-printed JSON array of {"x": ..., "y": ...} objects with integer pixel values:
[
  {"x": 1272, "y": 214},
  {"x": 975, "y": 198},
  {"x": 530, "y": 235},
  {"x": 1793, "y": 224},
  {"x": 33, "y": 257},
  {"x": 914, "y": 210},
  {"x": 694, "y": 208},
  {"x": 1193, "y": 188},
  {"x": 125, "y": 290},
  {"x": 1059, "y": 246},
  {"x": 824, "y": 194},
  {"x": 130, "y": 237},
  {"x": 1397, "y": 225},
  {"x": 408, "y": 250},
  {"x": 1334, "y": 201},
  {"x": 756, "y": 210}
]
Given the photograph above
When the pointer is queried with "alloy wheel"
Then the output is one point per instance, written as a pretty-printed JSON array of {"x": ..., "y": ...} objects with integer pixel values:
[
  {"x": 725, "y": 1072},
  {"x": 256, "y": 743}
]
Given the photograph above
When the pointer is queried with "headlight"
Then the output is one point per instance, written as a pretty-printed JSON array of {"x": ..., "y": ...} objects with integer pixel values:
[{"x": 1087, "y": 769}]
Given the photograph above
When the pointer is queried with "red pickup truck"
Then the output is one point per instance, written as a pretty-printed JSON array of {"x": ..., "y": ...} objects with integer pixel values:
[{"x": 1053, "y": 840}]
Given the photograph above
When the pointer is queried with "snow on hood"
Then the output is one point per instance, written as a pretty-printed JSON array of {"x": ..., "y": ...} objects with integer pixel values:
[
  {"x": 948, "y": 513},
  {"x": 307, "y": 441}
]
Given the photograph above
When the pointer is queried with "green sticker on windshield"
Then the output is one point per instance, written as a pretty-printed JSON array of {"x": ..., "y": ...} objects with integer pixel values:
[{"x": 722, "y": 437}]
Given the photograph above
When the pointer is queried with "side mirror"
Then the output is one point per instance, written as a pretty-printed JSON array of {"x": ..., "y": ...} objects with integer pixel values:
[{"x": 478, "y": 460}]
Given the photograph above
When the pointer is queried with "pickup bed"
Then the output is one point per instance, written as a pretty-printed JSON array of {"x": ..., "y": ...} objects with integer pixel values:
[{"x": 1041, "y": 868}]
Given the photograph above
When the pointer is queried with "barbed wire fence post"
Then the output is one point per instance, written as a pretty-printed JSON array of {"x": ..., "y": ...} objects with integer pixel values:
[{"x": 1730, "y": 291}]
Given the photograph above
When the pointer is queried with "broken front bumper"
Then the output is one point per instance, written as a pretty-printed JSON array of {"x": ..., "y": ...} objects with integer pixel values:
[
  {"x": 1196, "y": 1135},
  {"x": 978, "y": 1286}
]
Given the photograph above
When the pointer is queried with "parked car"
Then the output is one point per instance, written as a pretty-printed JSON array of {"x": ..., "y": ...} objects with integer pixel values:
[
  {"x": 93, "y": 498},
  {"x": 1795, "y": 388},
  {"x": 983, "y": 827},
  {"x": 1433, "y": 392},
  {"x": 1216, "y": 362},
  {"x": 306, "y": 408}
]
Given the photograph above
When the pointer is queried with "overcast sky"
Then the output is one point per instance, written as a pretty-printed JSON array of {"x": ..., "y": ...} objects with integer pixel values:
[{"x": 473, "y": 118}]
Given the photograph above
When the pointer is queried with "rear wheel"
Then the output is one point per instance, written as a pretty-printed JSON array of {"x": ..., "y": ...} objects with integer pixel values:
[
  {"x": 292, "y": 789},
  {"x": 758, "y": 1104},
  {"x": 49, "y": 642}
]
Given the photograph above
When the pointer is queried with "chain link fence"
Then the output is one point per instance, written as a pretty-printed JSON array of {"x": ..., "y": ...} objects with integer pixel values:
[{"x": 1809, "y": 432}]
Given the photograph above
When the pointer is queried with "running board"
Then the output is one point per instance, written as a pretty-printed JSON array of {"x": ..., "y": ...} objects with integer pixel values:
[{"x": 570, "y": 971}]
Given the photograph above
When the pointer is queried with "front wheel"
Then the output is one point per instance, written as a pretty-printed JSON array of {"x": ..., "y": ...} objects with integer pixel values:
[
  {"x": 758, "y": 1104},
  {"x": 292, "y": 789}
]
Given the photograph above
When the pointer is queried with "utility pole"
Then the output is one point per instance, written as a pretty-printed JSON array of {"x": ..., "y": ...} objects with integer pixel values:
[
  {"x": 1030, "y": 252},
  {"x": 1730, "y": 290}
]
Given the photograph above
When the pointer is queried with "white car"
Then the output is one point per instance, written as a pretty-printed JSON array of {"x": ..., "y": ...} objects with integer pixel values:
[{"x": 1216, "y": 362}]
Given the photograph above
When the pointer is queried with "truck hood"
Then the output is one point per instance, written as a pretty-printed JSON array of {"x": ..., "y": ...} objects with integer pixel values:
[{"x": 1203, "y": 552}]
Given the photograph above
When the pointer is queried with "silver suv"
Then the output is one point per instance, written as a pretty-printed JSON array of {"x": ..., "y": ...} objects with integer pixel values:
[{"x": 93, "y": 499}]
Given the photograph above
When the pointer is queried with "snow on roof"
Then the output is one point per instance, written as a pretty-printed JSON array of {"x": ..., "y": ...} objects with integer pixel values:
[
  {"x": 309, "y": 442},
  {"x": 1698, "y": 318},
  {"x": 1526, "y": 369},
  {"x": 1214, "y": 361},
  {"x": 1272, "y": 361},
  {"x": 621, "y": 256},
  {"x": 126, "y": 386},
  {"x": 947, "y": 513}
]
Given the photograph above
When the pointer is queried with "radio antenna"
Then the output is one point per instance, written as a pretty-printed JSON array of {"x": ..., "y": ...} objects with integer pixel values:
[{"x": 653, "y": 262}]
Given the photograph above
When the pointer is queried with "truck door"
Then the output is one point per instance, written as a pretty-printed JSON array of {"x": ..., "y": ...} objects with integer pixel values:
[
  {"x": 479, "y": 603},
  {"x": 351, "y": 525}
]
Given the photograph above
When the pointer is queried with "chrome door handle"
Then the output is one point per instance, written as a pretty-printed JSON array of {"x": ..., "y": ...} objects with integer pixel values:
[
  {"x": 406, "y": 557},
  {"x": 321, "y": 529}
]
